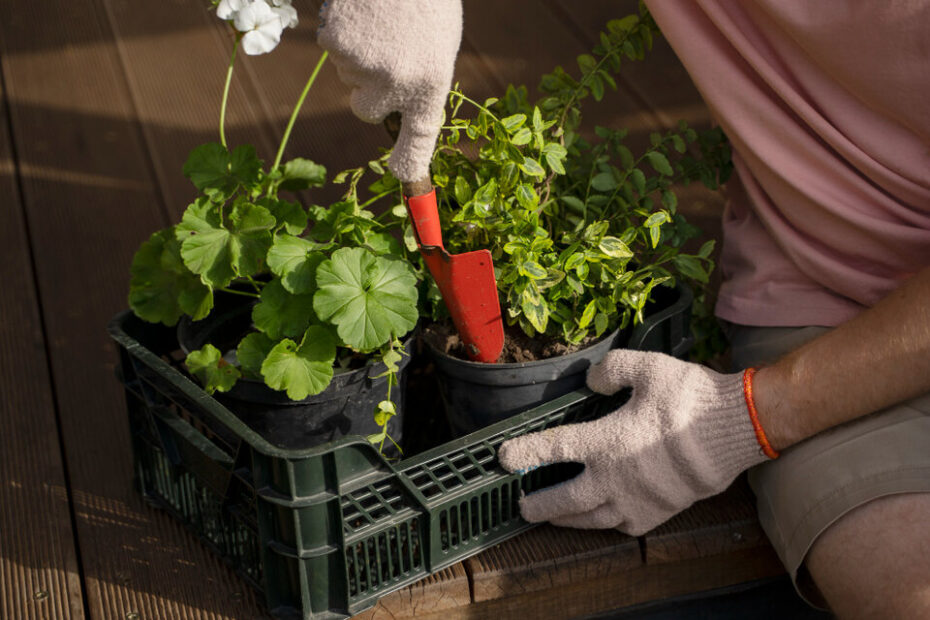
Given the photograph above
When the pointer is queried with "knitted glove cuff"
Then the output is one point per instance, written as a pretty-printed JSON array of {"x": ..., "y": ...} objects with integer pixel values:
[{"x": 727, "y": 431}]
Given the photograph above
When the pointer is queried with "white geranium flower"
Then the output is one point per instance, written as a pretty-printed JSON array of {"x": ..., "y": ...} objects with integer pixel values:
[
  {"x": 227, "y": 9},
  {"x": 261, "y": 25},
  {"x": 286, "y": 13}
]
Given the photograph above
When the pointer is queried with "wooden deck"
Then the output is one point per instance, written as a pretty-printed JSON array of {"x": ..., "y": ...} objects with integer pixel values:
[{"x": 100, "y": 102}]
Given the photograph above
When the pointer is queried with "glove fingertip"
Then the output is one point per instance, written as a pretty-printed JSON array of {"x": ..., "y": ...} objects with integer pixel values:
[
  {"x": 535, "y": 509},
  {"x": 514, "y": 456},
  {"x": 620, "y": 368}
]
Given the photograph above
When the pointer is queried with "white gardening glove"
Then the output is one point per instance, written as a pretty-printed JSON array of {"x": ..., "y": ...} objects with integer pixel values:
[
  {"x": 684, "y": 435},
  {"x": 397, "y": 56}
]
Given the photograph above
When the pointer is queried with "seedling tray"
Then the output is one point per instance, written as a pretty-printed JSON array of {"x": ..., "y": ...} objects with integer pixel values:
[{"x": 324, "y": 532}]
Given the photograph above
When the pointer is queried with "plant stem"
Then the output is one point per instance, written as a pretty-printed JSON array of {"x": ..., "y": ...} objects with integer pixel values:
[
  {"x": 300, "y": 103},
  {"x": 377, "y": 198},
  {"x": 243, "y": 293},
  {"x": 229, "y": 73},
  {"x": 477, "y": 105},
  {"x": 255, "y": 285}
]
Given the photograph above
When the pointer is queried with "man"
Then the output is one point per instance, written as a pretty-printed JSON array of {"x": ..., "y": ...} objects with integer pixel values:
[{"x": 826, "y": 263}]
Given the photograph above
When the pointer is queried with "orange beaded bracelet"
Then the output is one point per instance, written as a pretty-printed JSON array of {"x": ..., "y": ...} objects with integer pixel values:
[{"x": 767, "y": 448}]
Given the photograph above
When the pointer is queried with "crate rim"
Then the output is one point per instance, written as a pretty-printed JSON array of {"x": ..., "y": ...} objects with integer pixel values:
[{"x": 135, "y": 348}]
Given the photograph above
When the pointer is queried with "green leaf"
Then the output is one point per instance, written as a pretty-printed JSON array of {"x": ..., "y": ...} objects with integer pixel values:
[
  {"x": 386, "y": 410},
  {"x": 162, "y": 287},
  {"x": 280, "y": 314},
  {"x": 669, "y": 199},
  {"x": 554, "y": 154},
  {"x": 531, "y": 167},
  {"x": 679, "y": 144},
  {"x": 514, "y": 122},
  {"x": 639, "y": 180},
  {"x": 655, "y": 235},
  {"x": 656, "y": 219},
  {"x": 604, "y": 182},
  {"x": 301, "y": 370},
  {"x": 526, "y": 196},
  {"x": 290, "y": 216},
  {"x": 370, "y": 299},
  {"x": 660, "y": 163},
  {"x": 586, "y": 63},
  {"x": 295, "y": 260},
  {"x": 597, "y": 87},
  {"x": 391, "y": 358},
  {"x": 535, "y": 309},
  {"x": 626, "y": 157},
  {"x": 523, "y": 136},
  {"x": 218, "y": 173},
  {"x": 485, "y": 196},
  {"x": 205, "y": 244},
  {"x": 219, "y": 253},
  {"x": 690, "y": 267},
  {"x": 251, "y": 353},
  {"x": 533, "y": 270},
  {"x": 208, "y": 365},
  {"x": 574, "y": 203},
  {"x": 707, "y": 249},
  {"x": 574, "y": 261},
  {"x": 462, "y": 190},
  {"x": 600, "y": 323},
  {"x": 250, "y": 237},
  {"x": 614, "y": 248},
  {"x": 300, "y": 173},
  {"x": 383, "y": 243},
  {"x": 587, "y": 314}
]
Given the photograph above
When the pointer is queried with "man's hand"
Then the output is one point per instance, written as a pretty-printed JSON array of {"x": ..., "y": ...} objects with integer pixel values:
[
  {"x": 397, "y": 56},
  {"x": 684, "y": 435}
]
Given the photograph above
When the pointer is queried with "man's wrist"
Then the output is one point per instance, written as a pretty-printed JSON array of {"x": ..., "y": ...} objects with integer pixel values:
[{"x": 775, "y": 412}]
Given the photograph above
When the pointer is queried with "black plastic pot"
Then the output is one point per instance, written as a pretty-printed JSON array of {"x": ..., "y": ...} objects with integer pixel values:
[
  {"x": 345, "y": 407},
  {"x": 476, "y": 395}
]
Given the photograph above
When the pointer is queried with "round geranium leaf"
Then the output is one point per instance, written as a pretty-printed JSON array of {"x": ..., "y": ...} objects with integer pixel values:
[
  {"x": 369, "y": 298},
  {"x": 219, "y": 252},
  {"x": 251, "y": 353},
  {"x": 208, "y": 365},
  {"x": 205, "y": 244},
  {"x": 301, "y": 370},
  {"x": 162, "y": 287},
  {"x": 290, "y": 216},
  {"x": 295, "y": 260},
  {"x": 249, "y": 237},
  {"x": 281, "y": 314}
]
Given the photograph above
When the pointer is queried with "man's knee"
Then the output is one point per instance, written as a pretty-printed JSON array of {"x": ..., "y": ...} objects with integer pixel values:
[{"x": 874, "y": 562}]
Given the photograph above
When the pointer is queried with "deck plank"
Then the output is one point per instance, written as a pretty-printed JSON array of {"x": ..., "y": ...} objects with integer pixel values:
[
  {"x": 91, "y": 197},
  {"x": 550, "y": 557},
  {"x": 39, "y": 576},
  {"x": 725, "y": 523}
]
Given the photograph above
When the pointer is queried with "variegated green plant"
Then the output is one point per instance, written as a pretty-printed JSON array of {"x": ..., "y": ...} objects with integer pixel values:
[{"x": 581, "y": 231}]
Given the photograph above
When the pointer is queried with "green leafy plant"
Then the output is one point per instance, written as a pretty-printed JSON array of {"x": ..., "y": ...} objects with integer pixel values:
[
  {"x": 581, "y": 231},
  {"x": 337, "y": 295}
]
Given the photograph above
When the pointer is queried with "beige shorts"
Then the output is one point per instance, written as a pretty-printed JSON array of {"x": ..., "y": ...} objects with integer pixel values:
[{"x": 814, "y": 483}]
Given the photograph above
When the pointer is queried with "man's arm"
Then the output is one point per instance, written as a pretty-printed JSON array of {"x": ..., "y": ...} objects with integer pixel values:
[{"x": 875, "y": 360}]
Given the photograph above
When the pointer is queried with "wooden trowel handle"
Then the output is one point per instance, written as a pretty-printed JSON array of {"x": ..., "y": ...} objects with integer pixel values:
[{"x": 415, "y": 188}]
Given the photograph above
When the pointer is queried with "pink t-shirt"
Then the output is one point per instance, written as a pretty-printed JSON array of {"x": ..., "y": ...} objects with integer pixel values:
[{"x": 827, "y": 105}]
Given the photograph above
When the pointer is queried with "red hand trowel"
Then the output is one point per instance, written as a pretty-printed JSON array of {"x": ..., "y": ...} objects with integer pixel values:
[{"x": 466, "y": 281}]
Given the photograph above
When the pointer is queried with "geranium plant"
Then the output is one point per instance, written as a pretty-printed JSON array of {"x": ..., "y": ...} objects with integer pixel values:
[
  {"x": 323, "y": 298},
  {"x": 581, "y": 231}
]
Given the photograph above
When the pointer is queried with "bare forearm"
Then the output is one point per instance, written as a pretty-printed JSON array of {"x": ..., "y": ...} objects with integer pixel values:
[{"x": 879, "y": 358}]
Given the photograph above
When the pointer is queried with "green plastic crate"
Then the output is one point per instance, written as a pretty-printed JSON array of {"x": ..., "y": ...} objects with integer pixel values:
[{"x": 325, "y": 532}]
